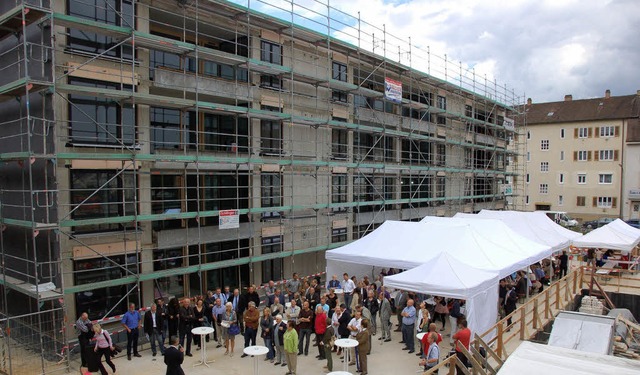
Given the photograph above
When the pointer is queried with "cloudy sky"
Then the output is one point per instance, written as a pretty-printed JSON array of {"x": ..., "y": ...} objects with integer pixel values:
[{"x": 541, "y": 49}]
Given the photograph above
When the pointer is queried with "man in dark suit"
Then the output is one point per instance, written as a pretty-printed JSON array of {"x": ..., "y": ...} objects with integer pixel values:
[
  {"x": 153, "y": 326},
  {"x": 173, "y": 357},
  {"x": 186, "y": 324}
]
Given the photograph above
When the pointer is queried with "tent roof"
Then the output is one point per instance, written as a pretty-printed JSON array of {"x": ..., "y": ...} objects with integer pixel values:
[
  {"x": 616, "y": 235},
  {"x": 407, "y": 245},
  {"x": 500, "y": 233},
  {"x": 444, "y": 276},
  {"x": 533, "y": 359},
  {"x": 535, "y": 226}
]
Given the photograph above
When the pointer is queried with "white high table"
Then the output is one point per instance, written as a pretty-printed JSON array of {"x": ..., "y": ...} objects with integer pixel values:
[
  {"x": 339, "y": 373},
  {"x": 346, "y": 344},
  {"x": 255, "y": 351},
  {"x": 202, "y": 332}
]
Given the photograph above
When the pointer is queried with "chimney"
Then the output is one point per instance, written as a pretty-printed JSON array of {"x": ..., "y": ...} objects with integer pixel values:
[
  {"x": 529, "y": 102},
  {"x": 607, "y": 94},
  {"x": 568, "y": 98}
]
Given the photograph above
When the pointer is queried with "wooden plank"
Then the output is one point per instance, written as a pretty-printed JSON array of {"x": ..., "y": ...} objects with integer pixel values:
[
  {"x": 126, "y": 77},
  {"x": 99, "y": 250}
]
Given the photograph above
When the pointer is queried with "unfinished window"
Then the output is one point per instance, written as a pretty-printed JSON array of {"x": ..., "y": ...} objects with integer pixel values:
[
  {"x": 338, "y": 235},
  {"x": 270, "y": 52},
  {"x": 416, "y": 191},
  {"x": 363, "y": 192},
  {"x": 270, "y": 82},
  {"x": 339, "y": 71},
  {"x": 225, "y": 191},
  {"x": 339, "y": 96},
  {"x": 166, "y": 198},
  {"x": 339, "y": 144},
  {"x": 225, "y": 133},
  {"x": 272, "y": 269},
  {"x": 416, "y": 151},
  {"x": 165, "y": 128},
  {"x": 270, "y": 193},
  {"x": 339, "y": 188},
  {"x": 271, "y": 134},
  {"x": 442, "y": 102}
]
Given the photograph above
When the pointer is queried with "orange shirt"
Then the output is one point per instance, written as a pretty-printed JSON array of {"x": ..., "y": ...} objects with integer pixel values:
[{"x": 464, "y": 335}]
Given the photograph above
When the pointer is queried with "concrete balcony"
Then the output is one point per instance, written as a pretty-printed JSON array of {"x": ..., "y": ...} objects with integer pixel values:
[{"x": 377, "y": 117}]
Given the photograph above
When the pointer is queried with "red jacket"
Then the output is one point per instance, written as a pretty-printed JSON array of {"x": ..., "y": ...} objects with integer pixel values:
[{"x": 321, "y": 323}]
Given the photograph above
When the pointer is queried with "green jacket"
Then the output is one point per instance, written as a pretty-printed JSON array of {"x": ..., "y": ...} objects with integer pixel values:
[{"x": 291, "y": 341}]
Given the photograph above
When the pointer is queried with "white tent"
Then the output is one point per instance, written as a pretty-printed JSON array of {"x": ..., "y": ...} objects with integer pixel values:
[
  {"x": 501, "y": 234},
  {"x": 535, "y": 226},
  {"x": 405, "y": 245},
  {"x": 448, "y": 277},
  {"x": 616, "y": 235}
]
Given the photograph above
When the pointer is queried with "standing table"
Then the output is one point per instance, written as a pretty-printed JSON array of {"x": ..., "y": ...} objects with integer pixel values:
[
  {"x": 255, "y": 351},
  {"x": 202, "y": 332},
  {"x": 346, "y": 344}
]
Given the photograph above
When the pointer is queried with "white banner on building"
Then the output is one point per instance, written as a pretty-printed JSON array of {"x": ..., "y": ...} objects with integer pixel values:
[
  {"x": 393, "y": 90},
  {"x": 229, "y": 219},
  {"x": 507, "y": 189},
  {"x": 509, "y": 124}
]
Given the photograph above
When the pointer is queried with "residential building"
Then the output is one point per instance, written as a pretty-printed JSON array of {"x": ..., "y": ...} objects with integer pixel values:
[
  {"x": 162, "y": 148},
  {"x": 579, "y": 160}
]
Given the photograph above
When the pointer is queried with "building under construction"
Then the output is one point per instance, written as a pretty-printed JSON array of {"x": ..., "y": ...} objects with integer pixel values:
[{"x": 165, "y": 147}]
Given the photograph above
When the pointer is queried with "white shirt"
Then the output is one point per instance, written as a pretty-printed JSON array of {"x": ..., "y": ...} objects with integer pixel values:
[
  {"x": 153, "y": 317},
  {"x": 355, "y": 323},
  {"x": 348, "y": 286}
]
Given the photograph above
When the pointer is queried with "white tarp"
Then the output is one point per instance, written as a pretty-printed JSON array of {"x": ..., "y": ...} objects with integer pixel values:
[
  {"x": 501, "y": 234},
  {"x": 448, "y": 277},
  {"x": 405, "y": 245},
  {"x": 535, "y": 226},
  {"x": 584, "y": 332},
  {"x": 616, "y": 235},
  {"x": 535, "y": 359}
]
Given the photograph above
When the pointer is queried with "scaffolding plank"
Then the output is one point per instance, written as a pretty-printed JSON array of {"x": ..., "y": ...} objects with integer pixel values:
[
  {"x": 20, "y": 88},
  {"x": 11, "y": 21},
  {"x": 29, "y": 289},
  {"x": 92, "y": 26},
  {"x": 265, "y": 67},
  {"x": 162, "y": 43},
  {"x": 27, "y": 224}
]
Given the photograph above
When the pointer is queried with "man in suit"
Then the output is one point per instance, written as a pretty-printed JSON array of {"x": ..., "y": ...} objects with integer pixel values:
[
  {"x": 173, "y": 357},
  {"x": 385, "y": 317},
  {"x": 187, "y": 318},
  {"x": 401, "y": 303},
  {"x": 153, "y": 323}
]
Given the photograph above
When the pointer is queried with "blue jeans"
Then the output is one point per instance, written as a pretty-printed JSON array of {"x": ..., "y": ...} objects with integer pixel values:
[
  {"x": 268, "y": 342},
  {"x": 157, "y": 335},
  {"x": 347, "y": 300},
  {"x": 304, "y": 332}
]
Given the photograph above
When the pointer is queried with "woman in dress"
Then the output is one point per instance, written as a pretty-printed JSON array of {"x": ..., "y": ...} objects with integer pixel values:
[
  {"x": 266, "y": 324},
  {"x": 103, "y": 347},
  {"x": 229, "y": 319}
]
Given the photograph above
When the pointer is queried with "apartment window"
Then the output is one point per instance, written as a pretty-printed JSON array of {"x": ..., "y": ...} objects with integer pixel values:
[
  {"x": 339, "y": 71},
  {"x": 468, "y": 110},
  {"x": 442, "y": 102},
  {"x": 544, "y": 166},
  {"x": 560, "y": 200},
  {"x": 581, "y": 201},
  {"x": 270, "y": 82},
  {"x": 271, "y": 134},
  {"x": 101, "y": 194},
  {"x": 604, "y": 202},
  {"x": 338, "y": 235},
  {"x": 582, "y": 132},
  {"x": 339, "y": 144},
  {"x": 561, "y": 178},
  {"x": 416, "y": 151},
  {"x": 441, "y": 154},
  {"x": 111, "y": 12},
  {"x": 270, "y": 192},
  {"x": 339, "y": 96},
  {"x": 605, "y": 178},
  {"x": 166, "y": 259},
  {"x": 528, "y": 178},
  {"x": 225, "y": 191},
  {"x": 94, "y": 120},
  {"x": 225, "y": 133},
  {"x": 581, "y": 155},
  {"x": 415, "y": 188},
  {"x": 166, "y": 198},
  {"x": 606, "y": 155},
  {"x": 544, "y": 144},
  {"x": 607, "y": 131},
  {"x": 544, "y": 189},
  {"x": 363, "y": 144},
  {"x": 441, "y": 187},
  {"x": 562, "y": 133},
  {"x": 528, "y": 156},
  {"x": 165, "y": 128},
  {"x": 271, "y": 52},
  {"x": 339, "y": 189},
  {"x": 272, "y": 269},
  {"x": 561, "y": 155},
  {"x": 526, "y": 200},
  {"x": 582, "y": 178},
  {"x": 224, "y": 251}
]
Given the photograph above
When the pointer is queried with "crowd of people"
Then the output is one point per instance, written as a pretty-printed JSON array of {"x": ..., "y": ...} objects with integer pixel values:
[{"x": 290, "y": 316}]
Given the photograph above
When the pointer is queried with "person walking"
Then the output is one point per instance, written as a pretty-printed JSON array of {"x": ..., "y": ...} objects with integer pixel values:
[
  {"x": 132, "y": 321},
  {"x": 291, "y": 347},
  {"x": 103, "y": 347},
  {"x": 174, "y": 356}
]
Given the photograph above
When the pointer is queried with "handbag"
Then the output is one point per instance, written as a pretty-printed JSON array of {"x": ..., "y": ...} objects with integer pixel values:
[
  {"x": 234, "y": 329},
  {"x": 116, "y": 349}
]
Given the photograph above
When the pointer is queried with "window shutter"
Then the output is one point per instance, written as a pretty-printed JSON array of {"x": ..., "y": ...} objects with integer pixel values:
[
  {"x": 597, "y": 131},
  {"x": 615, "y": 155},
  {"x": 577, "y": 201},
  {"x": 575, "y": 133},
  {"x": 588, "y": 155},
  {"x": 595, "y": 201},
  {"x": 616, "y": 131},
  {"x": 575, "y": 155},
  {"x": 596, "y": 155},
  {"x": 590, "y": 132},
  {"x": 614, "y": 202}
]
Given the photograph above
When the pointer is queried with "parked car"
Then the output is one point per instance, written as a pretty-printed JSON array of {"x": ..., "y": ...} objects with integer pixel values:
[
  {"x": 561, "y": 218},
  {"x": 593, "y": 224},
  {"x": 633, "y": 222}
]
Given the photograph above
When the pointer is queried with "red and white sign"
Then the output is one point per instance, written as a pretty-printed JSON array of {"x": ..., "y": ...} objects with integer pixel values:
[{"x": 229, "y": 219}]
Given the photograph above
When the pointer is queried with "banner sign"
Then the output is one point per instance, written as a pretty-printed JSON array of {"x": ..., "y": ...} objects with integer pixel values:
[
  {"x": 393, "y": 90},
  {"x": 509, "y": 124},
  {"x": 229, "y": 219}
]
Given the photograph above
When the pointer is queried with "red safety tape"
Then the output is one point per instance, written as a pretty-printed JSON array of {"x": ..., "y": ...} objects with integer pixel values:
[{"x": 283, "y": 281}]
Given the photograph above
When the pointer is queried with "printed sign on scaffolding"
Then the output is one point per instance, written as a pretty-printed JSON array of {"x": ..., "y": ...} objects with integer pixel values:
[{"x": 393, "y": 90}]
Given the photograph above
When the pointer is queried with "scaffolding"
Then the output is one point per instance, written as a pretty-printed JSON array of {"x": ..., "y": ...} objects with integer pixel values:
[{"x": 163, "y": 148}]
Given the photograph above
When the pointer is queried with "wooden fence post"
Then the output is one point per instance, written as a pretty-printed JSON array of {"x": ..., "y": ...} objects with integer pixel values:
[
  {"x": 557, "y": 296},
  {"x": 535, "y": 314},
  {"x": 523, "y": 322},
  {"x": 546, "y": 304},
  {"x": 500, "y": 338}
]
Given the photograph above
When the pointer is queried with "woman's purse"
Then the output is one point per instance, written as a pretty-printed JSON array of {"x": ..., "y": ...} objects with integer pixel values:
[
  {"x": 116, "y": 349},
  {"x": 234, "y": 329}
]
